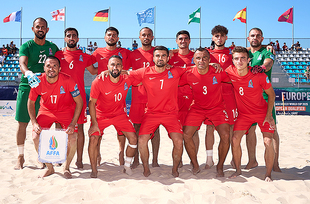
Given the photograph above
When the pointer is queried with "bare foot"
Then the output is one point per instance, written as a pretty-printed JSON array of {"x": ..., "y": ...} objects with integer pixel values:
[
  {"x": 180, "y": 164},
  {"x": 195, "y": 171},
  {"x": 93, "y": 174},
  {"x": 40, "y": 165},
  {"x": 268, "y": 179},
  {"x": 175, "y": 173},
  {"x": 209, "y": 164},
  {"x": 276, "y": 168},
  {"x": 232, "y": 163},
  {"x": 121, "y": 158},
  {"x": 128, "y": 170},
  {"x": 234, "y": 175},
  {"x": 98, "y": 161},
  {"x": 58, "y": 164},
  {"x": 79, "y": 165},
  {"x": 147, "y": 172},
  {"x": 155, "y": 164},
  {"x": 220, "y": 172},
  {"x": 135, "y": 164},
  {"x": 47, "y": 172},
  {"x": 67, "y": 174},
  {"x": 20, "y": 162},
  {"x": 251, "y": 165}
]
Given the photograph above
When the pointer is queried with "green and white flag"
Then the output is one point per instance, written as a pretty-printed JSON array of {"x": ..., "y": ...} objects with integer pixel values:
[{"x": 194, "y": 17}]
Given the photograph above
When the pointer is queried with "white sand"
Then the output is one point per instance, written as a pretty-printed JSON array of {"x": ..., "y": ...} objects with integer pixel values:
[{"x": 113, "y": 186}]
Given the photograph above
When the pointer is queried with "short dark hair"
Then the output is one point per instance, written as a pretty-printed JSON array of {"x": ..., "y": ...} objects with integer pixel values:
[
  {"x": 183, "y": 32},
  {"x": 40, "y": 18},
  {"x": 258, "y": 29},
  {"x": 71, "y": 29},
  {"x": 54, "y": 58},
  {"x": 161, "y": 48},
  {"x": 111, "y": 29},
  {"x": 240, "y": 49},
  {"x": 201, "y": 49},
  {"x": 116, "y": 56},
  {"x": 219, "y": 29},
  {"x": 146, "y": 28}
]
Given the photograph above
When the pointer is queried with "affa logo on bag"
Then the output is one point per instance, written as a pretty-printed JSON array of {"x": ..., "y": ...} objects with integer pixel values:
[{"x": 53, "y": 144}]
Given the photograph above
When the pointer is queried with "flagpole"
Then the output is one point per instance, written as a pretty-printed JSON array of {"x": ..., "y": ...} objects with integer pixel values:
[
  {"x": 246, "y": 25},
  {"x": 200, "y": 29},
  {"x": 293, "y": 26},
  {"x": 21, "y": 22},
  {"x": 109, "y": 17},
  {"x": 154, "y": 25},
  {"x": 65, "y": 22}
]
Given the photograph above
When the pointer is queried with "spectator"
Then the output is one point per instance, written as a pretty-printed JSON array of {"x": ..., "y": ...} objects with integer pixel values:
[
  {"x": 284, "y": 47},
  {"x": 11, "y": 44},
  {"x": 307, "y": 73},
  {"x": 277, "y": 46},
  {"x": 4, "y": 51},
  {"x": 296, "y": 46},
  {"x": 2, "y": 58},
  {"x": 95, "y": 46},
  {"x": 8, "y": 49},
  {"x": 232, "y": 46},
  {"x": 119, "y": 44},
  {"x": 14, "y": 49},
  {"x": 134, "y": 45},
  {"x": 90, "y": 47}
]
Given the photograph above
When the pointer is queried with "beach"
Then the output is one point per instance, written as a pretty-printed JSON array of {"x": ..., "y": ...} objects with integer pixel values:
[{"x": 113, "y": 186}]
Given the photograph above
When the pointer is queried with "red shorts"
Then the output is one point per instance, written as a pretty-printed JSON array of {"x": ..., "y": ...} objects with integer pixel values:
[
  {"x": 122, "y": 123},
  {"x": 137, "y": 111},
  {"x": 46, "y": 119},
  {"x": 83, "y": 116},
  {"x": 151, "y": 122},
  {"x": 215, "y": 116},
  {"x": 231, "y": 107},
  {"x": 244, "y": 122}
]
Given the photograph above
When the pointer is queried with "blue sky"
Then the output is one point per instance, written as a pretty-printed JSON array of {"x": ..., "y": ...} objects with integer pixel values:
[{"x": 171, "y": 16}]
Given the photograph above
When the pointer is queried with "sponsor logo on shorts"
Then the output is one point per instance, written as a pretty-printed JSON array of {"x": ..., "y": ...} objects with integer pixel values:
[
  {"x": 81, "y": 58},
  {"x": 137, "y": 59},
  {"x": 215, "y": 80},
  {"x": 62, "y": 90},
  {"x": 170, "y": 76},
  {"x": 125, "y": 86},
  {"x": 250, "y": 84}
]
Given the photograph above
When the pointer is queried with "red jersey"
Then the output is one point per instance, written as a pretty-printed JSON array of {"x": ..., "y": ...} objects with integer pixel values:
[
  {"x": 249, "y": 91},
  {"x": 140, "y": 59},
  {"x": 161, "y": 88},
  {"x": 206, "y": 88},
  {"x": 56, "y": 97},
  {"x": 103, "y": 55},
  {"x": 182, "y": 60},
  {"x": 224, "y": 58},
  {"x": 111, "y": 97}
]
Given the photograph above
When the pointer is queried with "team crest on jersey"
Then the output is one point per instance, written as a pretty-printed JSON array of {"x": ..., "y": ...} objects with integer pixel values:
[
  {"x": 193, "y": 61},
  {"x": 62, "y": 90},
  {"x": 215, "y": 80},
  {"x": 170, "y": 76},
  {"x": 76, "y": 87},
  {"x": 120, "y": 55},
  {"x": 81, "y": 58},
  {"x": 125, "y": 86},
  {"x": 259, "y": 57},
  {"x": 50, "y": 51},
  {"x": 250, "y": 84},
  {"x": 267, "y": 80},
  {"x": 230, "y": 51}
]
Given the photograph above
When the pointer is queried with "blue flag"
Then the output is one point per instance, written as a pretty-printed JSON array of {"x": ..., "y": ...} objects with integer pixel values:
[{"x": 146, "y": 16}]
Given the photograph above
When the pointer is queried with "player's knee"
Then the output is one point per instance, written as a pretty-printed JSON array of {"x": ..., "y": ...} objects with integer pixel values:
[
  {"x": 234, "y": 141},
  {"x": 143, "y": 139},
  {"x": 93, "y": 140},
  {"x": 267, "y": 141}
]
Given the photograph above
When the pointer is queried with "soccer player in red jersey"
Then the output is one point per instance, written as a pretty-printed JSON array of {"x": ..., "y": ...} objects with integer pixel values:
[
  {"x": 208, "y": 104},
  {"x": 107, "y": 106},
  {"x": 74, "y": 62},
  {"x": 161, "y": 84},
  {"x": 61, "y": 103},
  {"x": 251, "y": 107},
  {"x": 221, "y": 55},
  {"x": 103, "y": 54},
  {"x": 142, "y": 58}
]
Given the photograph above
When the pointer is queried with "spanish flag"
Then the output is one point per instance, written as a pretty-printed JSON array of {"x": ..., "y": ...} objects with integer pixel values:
[
  {"x": 241, "y": 15},
  {"x": 102, "y": 15}
]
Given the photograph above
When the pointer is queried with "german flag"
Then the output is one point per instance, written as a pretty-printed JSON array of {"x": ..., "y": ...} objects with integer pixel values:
[{"x": 102, "y": 15}]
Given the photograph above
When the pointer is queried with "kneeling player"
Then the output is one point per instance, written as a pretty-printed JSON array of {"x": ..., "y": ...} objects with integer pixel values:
[{"x": 252, "y": 107}]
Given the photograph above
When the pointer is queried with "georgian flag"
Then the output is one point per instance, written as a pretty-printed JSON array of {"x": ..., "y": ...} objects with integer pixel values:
[{"x": 58, "y": 15}]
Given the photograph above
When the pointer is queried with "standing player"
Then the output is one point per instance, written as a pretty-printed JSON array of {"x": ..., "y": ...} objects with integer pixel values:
[
  {"x": 73, "y": 62},
  {"x": 102, "y": 56},
  {"x": 161, "y": 84},
  {"x": 260, "y": 56},
  {"x": 208, "y": 104},
  {"x": 32, "y": 54},
  {"x": 60, "y": 103},
  {"x": 252, "y": 108},
  {"x": 107, "y": 107},
  {"x": 221, "y": 55},
  {"x": 142, "y": 58}
]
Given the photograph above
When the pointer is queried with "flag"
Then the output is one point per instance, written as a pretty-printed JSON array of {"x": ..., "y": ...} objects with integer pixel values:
[
  {"x": 58, "y": 15},
  {"x": 287, "y": 16},
  {"x": 241, "y": 15},
  {"x": 15, "y": 16},
  {"x": 102, "y": 15},
  {"x": 146, "y": 16},
  {"x": 194, "y": 17}
]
